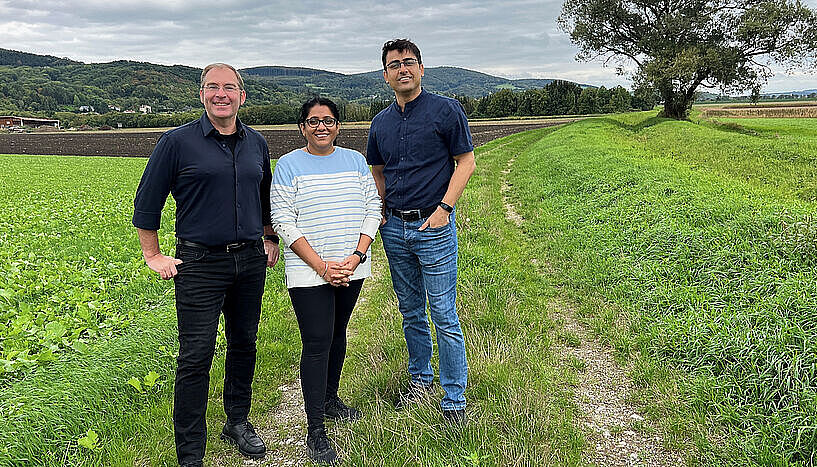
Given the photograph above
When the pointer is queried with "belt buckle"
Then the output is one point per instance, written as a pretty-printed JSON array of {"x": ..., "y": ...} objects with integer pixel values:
[
  {"x": 411, "y": 213},
  {"x": 233, "y": 246}
]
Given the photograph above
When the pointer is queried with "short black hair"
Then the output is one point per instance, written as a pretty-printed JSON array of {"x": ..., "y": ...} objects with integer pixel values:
[
  {"x": 401, "y": 45},
  {"x": 317, "y": 100}
]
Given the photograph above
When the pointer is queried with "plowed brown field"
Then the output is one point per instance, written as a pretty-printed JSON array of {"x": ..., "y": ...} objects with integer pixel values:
[{"x": 140, "y": 144}]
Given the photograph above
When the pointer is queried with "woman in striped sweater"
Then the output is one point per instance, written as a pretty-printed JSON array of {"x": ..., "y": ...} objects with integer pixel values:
[{"x": 326, "y": 209}]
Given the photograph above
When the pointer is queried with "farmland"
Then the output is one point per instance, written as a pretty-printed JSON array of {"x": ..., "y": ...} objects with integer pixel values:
[
  {"x": 281, "y": 139},
  {"x": 796, "y": 109},
  {"x": 686, "y": 248}
]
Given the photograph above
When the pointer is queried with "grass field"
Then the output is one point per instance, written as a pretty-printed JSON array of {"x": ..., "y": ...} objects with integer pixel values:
[{"x": 690, "y": 248}]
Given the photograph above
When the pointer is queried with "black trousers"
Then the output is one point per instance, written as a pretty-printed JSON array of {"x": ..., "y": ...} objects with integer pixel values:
[
  {"x": 207, "y": 285},
  {"x": 323, "y": 313}
]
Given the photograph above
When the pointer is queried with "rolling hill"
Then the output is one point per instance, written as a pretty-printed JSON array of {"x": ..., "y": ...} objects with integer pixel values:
[{"x": 44, "y": 83}]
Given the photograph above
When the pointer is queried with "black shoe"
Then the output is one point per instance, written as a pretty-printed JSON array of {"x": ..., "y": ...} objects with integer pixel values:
[
  {"x": 335, "y": 409},
  {"x": 318, "y": 447},
  {"x": 455, "y": 416},
  {"x": 244, "y": 437},
  {"x": 192, "y": 464},
  {"x": 413, "y": 395}
]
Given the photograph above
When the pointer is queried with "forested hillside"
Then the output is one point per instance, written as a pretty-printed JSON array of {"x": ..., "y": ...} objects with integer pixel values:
[{"x": 46, "y": 84}]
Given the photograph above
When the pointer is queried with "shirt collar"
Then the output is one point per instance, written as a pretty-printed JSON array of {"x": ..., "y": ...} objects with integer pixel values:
[
  {"x": 412, "y": 103},
  {"x": 207, "y": 127}
]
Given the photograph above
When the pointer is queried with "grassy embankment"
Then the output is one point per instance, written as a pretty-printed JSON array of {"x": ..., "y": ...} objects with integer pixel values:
[{"x": 693, "y": 250}]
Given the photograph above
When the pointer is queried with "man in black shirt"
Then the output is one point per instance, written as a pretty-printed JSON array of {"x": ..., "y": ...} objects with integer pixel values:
[{"x": 218, "y": 171}]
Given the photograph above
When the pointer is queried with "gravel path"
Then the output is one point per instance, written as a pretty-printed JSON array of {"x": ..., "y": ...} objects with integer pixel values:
[{"x": 617, "y": 434}]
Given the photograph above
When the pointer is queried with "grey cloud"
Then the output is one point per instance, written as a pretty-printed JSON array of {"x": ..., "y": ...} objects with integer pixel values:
[{"x": 516, "y": 38}]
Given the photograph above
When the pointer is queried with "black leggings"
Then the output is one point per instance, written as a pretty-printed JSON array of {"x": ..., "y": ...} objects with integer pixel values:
[{"x": 323, "y": 313}]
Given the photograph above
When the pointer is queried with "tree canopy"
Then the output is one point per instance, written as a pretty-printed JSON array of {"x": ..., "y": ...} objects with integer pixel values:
[{"x": 679, "y": 45}]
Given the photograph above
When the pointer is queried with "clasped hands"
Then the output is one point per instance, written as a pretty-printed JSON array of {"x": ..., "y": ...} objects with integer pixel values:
[{"x": 339, "y": 273}]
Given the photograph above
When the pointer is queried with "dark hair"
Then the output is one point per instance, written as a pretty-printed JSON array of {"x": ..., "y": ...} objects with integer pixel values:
[
  {"x": 317, "y": 101},
  {"x": 401, "y": 45}
]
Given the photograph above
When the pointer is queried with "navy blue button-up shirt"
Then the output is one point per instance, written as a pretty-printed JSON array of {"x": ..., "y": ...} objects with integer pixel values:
[
  {"x": 416, "y": 148},
  {"x": 221, "y": 197}
]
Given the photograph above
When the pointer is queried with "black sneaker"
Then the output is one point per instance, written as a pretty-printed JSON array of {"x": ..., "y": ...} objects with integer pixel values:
[
  {"x": 193, "y": 464},
  {"x": 318, "y": 447},
  {"x": 335, "y": 409},
  {"x": 455, "y": 416},
  {"x": 243, "y": 435},
  {"x": 413, "y": 395}
]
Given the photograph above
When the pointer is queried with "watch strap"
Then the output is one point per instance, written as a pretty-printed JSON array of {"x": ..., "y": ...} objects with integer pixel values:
[{"x": 360, "y": 255}]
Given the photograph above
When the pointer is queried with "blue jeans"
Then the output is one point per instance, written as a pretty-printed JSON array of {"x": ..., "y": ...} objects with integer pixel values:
[{"x": 424, "y": 264}]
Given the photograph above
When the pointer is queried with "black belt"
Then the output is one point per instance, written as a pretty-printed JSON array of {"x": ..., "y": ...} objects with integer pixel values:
[
  {"x": 412, "y": 214},
  {"x": 228, "y": 248}
]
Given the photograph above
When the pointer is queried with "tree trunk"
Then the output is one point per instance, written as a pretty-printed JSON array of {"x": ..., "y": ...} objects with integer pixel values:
[{"x": 676, "y": 105}]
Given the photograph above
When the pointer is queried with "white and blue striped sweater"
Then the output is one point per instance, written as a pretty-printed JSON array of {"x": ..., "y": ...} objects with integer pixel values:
[{"x": 330, "y": 200}]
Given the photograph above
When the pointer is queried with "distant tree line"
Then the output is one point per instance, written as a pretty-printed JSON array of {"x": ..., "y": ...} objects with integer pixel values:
[
  {"x": 271, "y": 114},
  {"x": 556, "y": 98}
]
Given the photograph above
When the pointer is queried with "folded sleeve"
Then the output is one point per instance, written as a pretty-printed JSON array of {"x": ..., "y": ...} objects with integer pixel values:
[
  {"x": 458, "y": 134},
  {"x": 155, "y": 185},
  {"x": 282, "y": 204}
]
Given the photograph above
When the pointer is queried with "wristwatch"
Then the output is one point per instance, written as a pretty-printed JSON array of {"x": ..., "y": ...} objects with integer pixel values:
[
  {"x": 446, "y": 207},
  {"x": 360, "y": 255},
  {"x": 272, "y": 238}
]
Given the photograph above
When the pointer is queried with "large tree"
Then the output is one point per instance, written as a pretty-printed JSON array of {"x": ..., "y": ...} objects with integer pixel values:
[{"x": 679, "y": 45}]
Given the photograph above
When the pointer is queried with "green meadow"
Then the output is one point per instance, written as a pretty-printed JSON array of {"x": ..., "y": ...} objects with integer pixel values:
[{"x": 689, "y": 249}]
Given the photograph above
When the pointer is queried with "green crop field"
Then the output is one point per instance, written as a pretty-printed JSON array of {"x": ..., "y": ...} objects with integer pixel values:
[{"x": 688, "y": 248}]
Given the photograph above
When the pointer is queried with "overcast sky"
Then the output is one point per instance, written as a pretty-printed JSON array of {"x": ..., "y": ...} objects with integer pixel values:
[{"x": 512, "y": 39}]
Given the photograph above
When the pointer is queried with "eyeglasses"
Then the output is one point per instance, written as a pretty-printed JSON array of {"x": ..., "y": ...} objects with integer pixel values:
[
  {"x": 328, "y": 122},
  {"x": 229, "y": 88},
  {"x": 395, "y": 65}
]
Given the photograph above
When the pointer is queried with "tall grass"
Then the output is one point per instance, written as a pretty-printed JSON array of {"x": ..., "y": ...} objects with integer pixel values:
[
  {"x": 698, "y": 235},
  {"x": 519, "y": 398}
]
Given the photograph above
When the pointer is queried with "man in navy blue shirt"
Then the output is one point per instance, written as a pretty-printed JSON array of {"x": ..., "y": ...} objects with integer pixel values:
[
  {"x": 422, "y": 156},
  {"x": 218, "y": 171}
]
